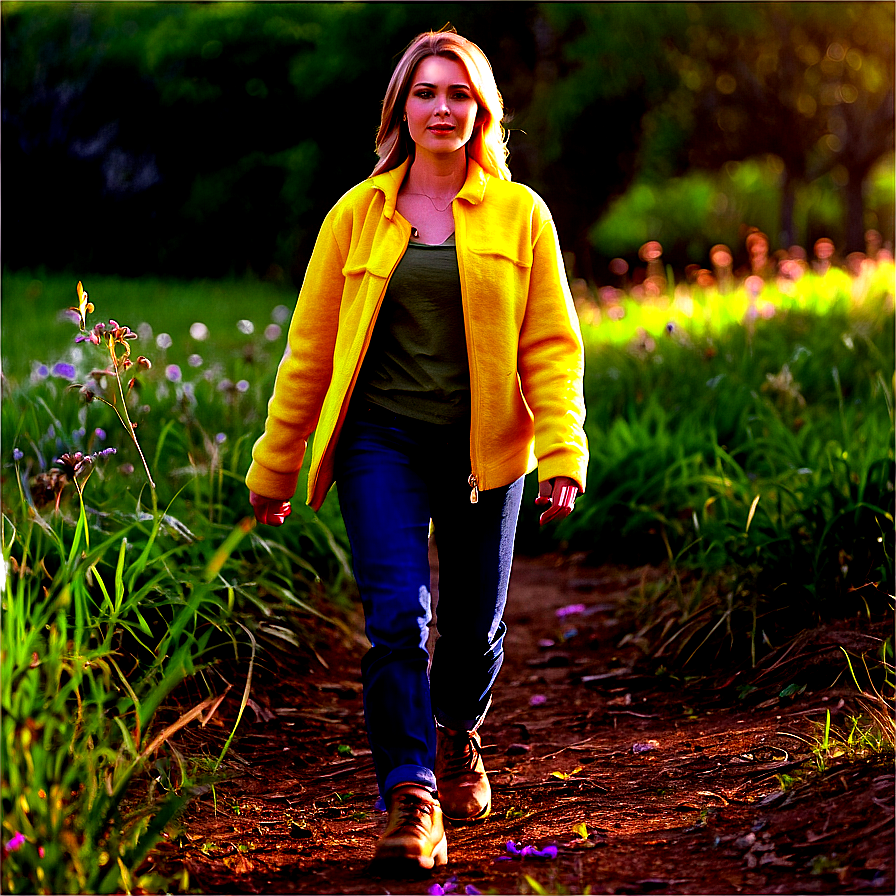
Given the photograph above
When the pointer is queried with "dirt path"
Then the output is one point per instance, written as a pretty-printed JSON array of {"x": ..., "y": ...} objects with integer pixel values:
[{"x": 676, "y": 787}]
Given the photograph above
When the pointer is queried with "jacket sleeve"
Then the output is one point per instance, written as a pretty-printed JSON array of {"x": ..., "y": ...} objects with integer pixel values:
[
  {"x": 551, "y": 363},
  {"x": 304, "y": 374}
]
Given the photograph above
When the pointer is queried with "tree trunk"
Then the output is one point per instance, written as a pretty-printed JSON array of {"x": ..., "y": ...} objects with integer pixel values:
[
  {"x": 787, "y": 237},
  {"x": 855, "y": 212}
]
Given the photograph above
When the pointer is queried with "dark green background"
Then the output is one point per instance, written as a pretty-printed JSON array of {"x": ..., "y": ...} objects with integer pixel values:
[{"x": 208, "y": 139}]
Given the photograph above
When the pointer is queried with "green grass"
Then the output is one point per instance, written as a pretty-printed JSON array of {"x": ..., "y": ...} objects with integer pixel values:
[
  {"x": 123, "y": 581},
  {"x": 750, "y": 445}
]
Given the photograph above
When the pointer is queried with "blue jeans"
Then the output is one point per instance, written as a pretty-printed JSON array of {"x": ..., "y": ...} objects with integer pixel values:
[{"x": 393, "y": 475}]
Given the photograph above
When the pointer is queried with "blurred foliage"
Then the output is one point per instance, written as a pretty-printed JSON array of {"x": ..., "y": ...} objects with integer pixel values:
[
  {"x": 209, "y": 139},
  {"x": 810, "y": 83}
]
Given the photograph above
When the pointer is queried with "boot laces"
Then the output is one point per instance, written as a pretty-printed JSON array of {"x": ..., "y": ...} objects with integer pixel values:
[
  {"x": 410, "y": 810},
  {"x": 463, "y": 756}
]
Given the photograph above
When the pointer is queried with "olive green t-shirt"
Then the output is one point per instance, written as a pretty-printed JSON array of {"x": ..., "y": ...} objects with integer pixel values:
[{"x": 416, "y": 364}]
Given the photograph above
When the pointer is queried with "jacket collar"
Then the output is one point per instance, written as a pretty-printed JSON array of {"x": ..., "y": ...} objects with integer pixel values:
[{"x": 389, "y": 183}]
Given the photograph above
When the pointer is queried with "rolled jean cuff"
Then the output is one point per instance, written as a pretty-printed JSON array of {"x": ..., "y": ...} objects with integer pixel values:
[{"x": 410, "y": 774}]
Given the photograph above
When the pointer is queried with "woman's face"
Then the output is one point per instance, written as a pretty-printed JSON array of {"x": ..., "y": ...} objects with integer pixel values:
[{"x": 441, "y": 108}]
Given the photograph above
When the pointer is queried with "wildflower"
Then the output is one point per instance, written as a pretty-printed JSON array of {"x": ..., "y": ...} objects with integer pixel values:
[
  {"x": 525, "y": 852},
  {"x": 449, "y": 886},
  {"x": 86, "y": 393},
  {"x": 199, "y": 331},
  {"x": 281, "y": 314},
  {"x": 246, "y": 327},
  {"x": 163, "y": 341},
  {"x": 63, "y": 371},
  {"x": 145, "y": 363},
  {"x": 76, "y": 463},
  {"x": 569, "y": 610},
  {"x": 272, "y": 332},
  {"x": 118, "y": 333},
  {"x": 84, "y": 307},
  {"x": 100, "y": 434},
  {"x": 93, "y": 336},
  {"x": 39, "y": 372},
  {"x": 220, "y": 437},
  {"x": 195, "y": 360},
  {"x": 17, "y": 454},
  {"x": 242, "y": 386},
  {"x": 172, "y": 373},
  {"x": 18, "y": 839}
]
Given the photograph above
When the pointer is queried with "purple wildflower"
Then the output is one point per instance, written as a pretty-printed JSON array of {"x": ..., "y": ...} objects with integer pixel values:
[
  {"x": 272, "y": 332},
  {"x": 73, "y": 464},
  {"x": 172, "y": 373},
  {"x": 242, "y": 386},
  {"x": 100, "y": 434},
  {"x": 17, "y": 454},
  {"x": 526, "y": 852},
  {"x": 195, "y": 360},
  {"x": 220, "y": 437},
  {"x": 449, "y": 886},
  {"x": 63, "y": 371},
  {"x": 163, "y": 340},
  {"x": 199, "y": 331}
]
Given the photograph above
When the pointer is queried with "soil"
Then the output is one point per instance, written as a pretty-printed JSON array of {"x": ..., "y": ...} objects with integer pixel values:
[{"x": 644, "y": 782}]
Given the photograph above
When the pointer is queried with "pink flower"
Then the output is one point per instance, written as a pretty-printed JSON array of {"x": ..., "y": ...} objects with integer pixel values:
[
  {"x": 17, "y": 842},
  {"x": 570, "y": 610}
]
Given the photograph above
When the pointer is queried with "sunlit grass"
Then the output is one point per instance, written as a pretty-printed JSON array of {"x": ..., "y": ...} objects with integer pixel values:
[{"x": 744, "y": 433}]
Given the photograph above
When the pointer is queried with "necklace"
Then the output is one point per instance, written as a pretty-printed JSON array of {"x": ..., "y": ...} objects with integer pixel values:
[{"x": 432, "y": 201}]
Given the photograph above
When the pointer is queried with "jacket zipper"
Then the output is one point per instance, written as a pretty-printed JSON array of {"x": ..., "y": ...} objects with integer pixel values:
[{"x": 472, "y": 480}]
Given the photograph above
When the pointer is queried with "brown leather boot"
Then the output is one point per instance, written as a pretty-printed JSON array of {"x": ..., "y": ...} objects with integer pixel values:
[
  {"x": 464, "y": 791},
  {"x": 414, "y": 840}
]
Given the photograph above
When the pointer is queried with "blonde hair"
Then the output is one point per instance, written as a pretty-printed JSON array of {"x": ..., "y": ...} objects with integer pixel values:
[{"x": 487, "y": 145}]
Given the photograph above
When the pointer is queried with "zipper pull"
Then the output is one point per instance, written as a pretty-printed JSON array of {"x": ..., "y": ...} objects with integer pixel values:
[{"x": 474, "y": 495}]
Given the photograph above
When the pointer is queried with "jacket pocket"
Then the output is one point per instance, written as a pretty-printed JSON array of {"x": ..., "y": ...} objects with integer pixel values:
[{"x": 499, "y": 246}]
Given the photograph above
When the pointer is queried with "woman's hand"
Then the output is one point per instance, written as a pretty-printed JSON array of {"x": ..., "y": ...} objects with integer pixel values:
[
  {"x": 559, "y": 495},
  {"x": 269, "y": 510}
]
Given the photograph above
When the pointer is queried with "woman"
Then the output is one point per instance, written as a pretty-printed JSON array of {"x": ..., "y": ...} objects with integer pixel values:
[{"x": 435, "y": 352}]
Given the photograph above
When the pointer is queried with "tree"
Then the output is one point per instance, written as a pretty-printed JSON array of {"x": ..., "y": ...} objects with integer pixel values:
[{"x": 811, "y": 83}]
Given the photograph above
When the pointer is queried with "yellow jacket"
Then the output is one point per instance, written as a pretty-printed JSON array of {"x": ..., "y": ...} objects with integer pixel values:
[{"x": 522, "y": 333}]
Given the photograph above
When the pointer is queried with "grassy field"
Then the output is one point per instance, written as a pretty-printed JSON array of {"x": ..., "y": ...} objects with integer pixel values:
[{"x": 744, "y": 437}]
